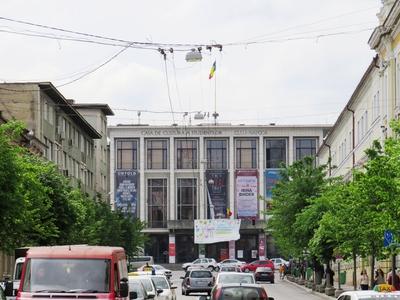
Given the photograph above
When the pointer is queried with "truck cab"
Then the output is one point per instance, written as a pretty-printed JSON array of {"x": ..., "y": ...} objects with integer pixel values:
[{"x": 76, "y": 271}]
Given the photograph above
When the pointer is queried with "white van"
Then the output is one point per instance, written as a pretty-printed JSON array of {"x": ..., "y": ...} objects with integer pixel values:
[{"x": 138, "y": 261}]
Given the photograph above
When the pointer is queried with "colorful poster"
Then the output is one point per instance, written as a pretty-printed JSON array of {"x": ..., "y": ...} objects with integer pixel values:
[
  {"x": 247, "y": 194},
  {"x": 216, "y": 230},
  {"x": 261, "y": 246},
  {"x": 217, "y": 193},
  {"x": 271, "y": 179},
  {"x": 126, "y": 191}
]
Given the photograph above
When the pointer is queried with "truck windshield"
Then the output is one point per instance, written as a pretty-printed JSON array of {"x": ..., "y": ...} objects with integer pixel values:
[{"x": 67, "y": 276}]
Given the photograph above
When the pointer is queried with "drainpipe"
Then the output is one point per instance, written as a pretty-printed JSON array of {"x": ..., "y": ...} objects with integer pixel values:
[
  {"x": 353, "y": 135},
  {"x": 329, "y": 160}
]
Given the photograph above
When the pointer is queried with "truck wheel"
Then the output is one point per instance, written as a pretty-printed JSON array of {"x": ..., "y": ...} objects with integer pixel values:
[{"x": 210, "y": 268}]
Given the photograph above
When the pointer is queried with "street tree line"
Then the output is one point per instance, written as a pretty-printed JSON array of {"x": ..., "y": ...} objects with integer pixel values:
[
  {"x": 321, "y": 218},
  {"x": 39, "y": 207}
]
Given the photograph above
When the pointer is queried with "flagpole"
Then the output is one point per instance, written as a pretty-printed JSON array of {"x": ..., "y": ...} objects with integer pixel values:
[{"x": 215, "y": 100}]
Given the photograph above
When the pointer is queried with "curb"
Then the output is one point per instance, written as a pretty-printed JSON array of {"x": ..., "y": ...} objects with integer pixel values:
[{"x": 310, "y": 291}]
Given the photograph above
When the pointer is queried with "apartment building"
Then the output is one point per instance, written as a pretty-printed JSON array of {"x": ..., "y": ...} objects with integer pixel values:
[
  {"x": 374, "y": 103},
  {"x": 168, "y": 176}
]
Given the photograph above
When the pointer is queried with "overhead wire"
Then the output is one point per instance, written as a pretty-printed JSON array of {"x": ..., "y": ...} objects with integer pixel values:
[{"x": 168, "y": 89}]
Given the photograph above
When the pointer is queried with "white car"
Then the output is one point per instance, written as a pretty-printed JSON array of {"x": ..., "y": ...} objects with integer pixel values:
[
  {"x": 278, "y": 261},
  {"x": 160, "y": 270},
  {"x": 167, "y": 290},
  {"x": 148, "y": 285},
  {"x": 230, "y": 262},
  {"x": 207, "y": 263},
  {"x": 366, "y": 295},
  {"x": 233, "y": 277}
]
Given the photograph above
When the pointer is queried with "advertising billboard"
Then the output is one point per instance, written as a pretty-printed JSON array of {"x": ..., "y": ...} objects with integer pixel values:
[
  {"x": 217, "y": 193},
  {"x": 216, "y": 230},
  {"x": 271, "y": 179},
  {"x": 126, "y": 191},
  {"x": 247, "y": 194}
]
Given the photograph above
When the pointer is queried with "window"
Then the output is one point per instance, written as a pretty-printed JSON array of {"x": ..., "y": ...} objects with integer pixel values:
[
  {"x": 305, "y": 147},
  {"x": 275, "y": 153},
  {"x": 187, "y": 198},
  {"x": 186, "y": 154},
  {"x": 157, "y": 154},
  {"x": 216, "y": 154},
  {"x": 157, "y": 203},
  {"x": 376, "y": 107},
  {"x": 246, "y": 154},
  {"x": 127, "y": 157}
]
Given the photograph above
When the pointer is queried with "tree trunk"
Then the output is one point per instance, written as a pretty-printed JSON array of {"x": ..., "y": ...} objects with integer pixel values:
[
  {"x": 319, "y": 272},
  {"x": 354, "y": 270},
  {"x": 372, "y": 268}
]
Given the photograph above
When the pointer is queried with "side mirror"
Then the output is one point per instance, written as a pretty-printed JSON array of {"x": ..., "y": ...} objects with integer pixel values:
[
  {"x": 182, "y": 277},
  {"x": 9, "y": 289},
  {"x": 124, "y": 288},
  {"x": 132, "y": 295},
  {"x": 159, "y": 291},
  {"x": 173, "y": 287}
]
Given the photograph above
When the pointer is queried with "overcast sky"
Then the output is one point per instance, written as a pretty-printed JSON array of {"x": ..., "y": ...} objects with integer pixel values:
[{"x": 292, "y": 75}]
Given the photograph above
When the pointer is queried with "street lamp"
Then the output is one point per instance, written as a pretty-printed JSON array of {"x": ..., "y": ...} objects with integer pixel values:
[
  {"x": 194, "y": 55},
  {"x": 210, "y": 204}
]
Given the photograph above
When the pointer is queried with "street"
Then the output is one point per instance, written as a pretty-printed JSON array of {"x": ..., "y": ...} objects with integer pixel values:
[{"x": 280, "y": 290}]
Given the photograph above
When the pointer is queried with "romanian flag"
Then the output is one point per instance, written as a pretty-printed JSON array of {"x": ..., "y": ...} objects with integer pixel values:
[
  {"x": 228, "y": 212},
  {"x": 212, "y": 71}
]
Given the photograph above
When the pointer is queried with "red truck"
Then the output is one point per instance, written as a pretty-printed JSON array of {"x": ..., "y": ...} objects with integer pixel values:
[{"x": 76, "y": 271}]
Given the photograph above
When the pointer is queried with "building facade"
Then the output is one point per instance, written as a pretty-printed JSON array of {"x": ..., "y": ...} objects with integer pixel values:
[
  {"x": 374, "y": 103},
  {"x": 168, "y": 176},
  {"x": 61, "y": 134}
]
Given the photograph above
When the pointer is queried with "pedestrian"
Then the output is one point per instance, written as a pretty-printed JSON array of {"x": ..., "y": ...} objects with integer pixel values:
[
  {"x": 364, "y": 280},
  {"x": 379, "y": 277},
  {"x": 396, "y": 284},
  {"x": 282, "y": 271}
]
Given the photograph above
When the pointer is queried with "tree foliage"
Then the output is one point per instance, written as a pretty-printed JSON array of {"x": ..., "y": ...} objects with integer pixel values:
[{"x": 39, "y": 206}]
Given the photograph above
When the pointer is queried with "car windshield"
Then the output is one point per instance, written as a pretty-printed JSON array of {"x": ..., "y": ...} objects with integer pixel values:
[
  {"x": 235, "y": 278},
  {"x": 67, "y": 275},
  {"x": 147, "y": 284},
  {"x": 240, "y": 293},
  {"x": 160, "y": 283},
  {"x": 201, "y": 274},
  {"x": 136, "y": 287},
  {"x": 158, "y": 267}
]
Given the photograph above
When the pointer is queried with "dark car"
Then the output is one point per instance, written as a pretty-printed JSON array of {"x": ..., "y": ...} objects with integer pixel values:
[
  {"x": 239, "y": 292},
  {"x": 197, "y": 280},
  {"x": 251, "y": 267},
  {"x": 264, "y": 274}
]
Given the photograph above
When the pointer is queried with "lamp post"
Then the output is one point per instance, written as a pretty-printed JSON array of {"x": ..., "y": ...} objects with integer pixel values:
[{"x": 210, "y": 203}]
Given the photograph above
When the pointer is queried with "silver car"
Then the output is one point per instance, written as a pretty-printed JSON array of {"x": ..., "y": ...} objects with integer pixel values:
[
  {"x": 197, "y": 280},
  {"x": 206, "y": 263}
]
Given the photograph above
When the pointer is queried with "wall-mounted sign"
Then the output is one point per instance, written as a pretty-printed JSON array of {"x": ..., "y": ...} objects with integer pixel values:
[
  {"x": 247, "y": 194},
  {"x": 271, "y": 179},
  {"x": 126, "y": 191},
  {"x": 216, "y": 230},
  {"x": 217, "y": 192}
]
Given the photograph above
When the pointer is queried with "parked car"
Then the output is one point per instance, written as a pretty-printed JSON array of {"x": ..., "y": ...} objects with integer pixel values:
[
  {"x": 138, "y": 261},
  {"x": 230, "y": 269},
  {"x": 366, "y": 295},
  {"x": 148, "y": 284},
  {"x": 167, "y": 290},
  {"x": 238, "y": 291},
  {"x": 264, "y": 274},
  {"x": 230, "y": 262},
  {"x": 197, "y": 280},
  {"x": 137, "y": 290},
  {"x": 251, "y": 267},
  {"x": 278, "y": 261},
  {"x": 207, "y": 263},
  {"x": 160, "y": 270},
  {"x": 230, "y": 277}
]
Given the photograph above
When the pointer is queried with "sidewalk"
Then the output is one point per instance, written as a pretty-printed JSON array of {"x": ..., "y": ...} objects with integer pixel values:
[{"x": 345, "y": 288}]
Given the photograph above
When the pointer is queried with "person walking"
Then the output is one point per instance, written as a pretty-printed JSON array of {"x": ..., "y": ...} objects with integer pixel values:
[
  {"x": 282, "y": 270},
  {"x": 379, "y": 277},
  {"x": 364, "y": 280},
  {"x": 390, "y": 280}
]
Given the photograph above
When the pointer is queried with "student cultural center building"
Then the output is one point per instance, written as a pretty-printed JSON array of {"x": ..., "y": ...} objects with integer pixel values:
[{"x": 171, "y": 176}]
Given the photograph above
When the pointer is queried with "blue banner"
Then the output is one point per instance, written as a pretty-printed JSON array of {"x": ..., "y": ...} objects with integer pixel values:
[
  {"x": 271, "y": 179},
  {"x": 126, "y": 192}
]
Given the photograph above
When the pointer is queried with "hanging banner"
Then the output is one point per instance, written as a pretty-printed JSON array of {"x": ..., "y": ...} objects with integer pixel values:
[
  {"x": 126, "y": 191},
  {"x": 246, "y": 194},
  {"x": 271, "y": 179},
  {"x": 216, "y": 230},
  {"x": 217, "y": 193}
]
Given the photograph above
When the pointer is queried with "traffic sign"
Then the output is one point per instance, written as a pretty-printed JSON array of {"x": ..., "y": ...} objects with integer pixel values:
[{"x": 387, "y": 238}]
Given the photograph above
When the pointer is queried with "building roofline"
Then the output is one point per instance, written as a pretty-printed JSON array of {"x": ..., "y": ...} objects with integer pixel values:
[
  {"x": 103, "y": 107},
  {"x": 353, "y": 97},
  {"x": 56, "y": 96},
  {"x": 211, "y": 125}
]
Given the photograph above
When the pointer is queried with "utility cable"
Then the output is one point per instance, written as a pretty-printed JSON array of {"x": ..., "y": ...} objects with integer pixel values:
[{"x": 169, "y": 92}]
